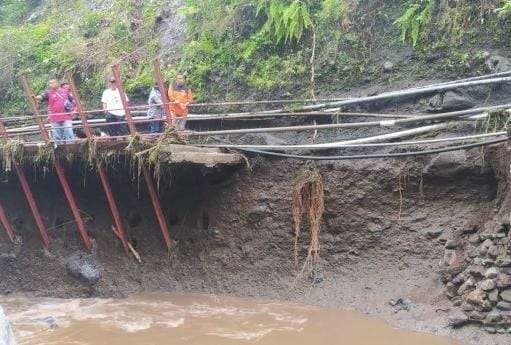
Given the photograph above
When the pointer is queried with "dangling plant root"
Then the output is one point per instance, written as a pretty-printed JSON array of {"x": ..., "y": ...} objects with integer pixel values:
[
  {"x": 135, "y": 146},
  {"x": 152, "y": 155},
  {"x": 308, "y": 198},
  {"x": 402, "y": 182},
  {"x": 12, "y": 151},
  {"x": 92, "y": 152},
  {"x": 45, "y": 156}
]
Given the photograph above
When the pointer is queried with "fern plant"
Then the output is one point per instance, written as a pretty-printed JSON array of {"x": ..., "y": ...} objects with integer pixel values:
[
  {"x": 505, "y": 10},
  {"x": 414, "y": 20},
  {"x": 285, "y": 21}
]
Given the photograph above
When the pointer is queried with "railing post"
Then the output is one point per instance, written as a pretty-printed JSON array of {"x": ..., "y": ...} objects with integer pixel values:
[
  {"x": 164, "y": 92},
  {"x": 6, "y": 224},
  {"x": 147, "y": 176},
  {"x": 101, "y": 169},
  {"x": 27, "y": 191},
  {"x": 58, "y": 167}
]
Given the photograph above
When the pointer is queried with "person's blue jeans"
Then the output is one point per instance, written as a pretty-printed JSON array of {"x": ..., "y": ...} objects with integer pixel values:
[
  {"x": 156, "y": 126},
  {"x": 62, "y": 131}
]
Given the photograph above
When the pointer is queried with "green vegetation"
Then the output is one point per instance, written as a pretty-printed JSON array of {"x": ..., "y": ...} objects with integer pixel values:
[
  {"x": 431, "y": 23},
  {"x": 505, "y": 10},
  {"x": 414, "y": 20},
  {"x": 268, "y": 46},
  {"x": 73, "y": 34},
  {"x": 235, "y": 48},
  {"x": 285, "y": 21}
]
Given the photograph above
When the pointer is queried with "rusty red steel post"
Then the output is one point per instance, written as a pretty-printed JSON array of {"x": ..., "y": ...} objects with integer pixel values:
[
  {"x": 163, "y": 90},
  {"x": 101, "y": 169},
  {"x": 28, "y": 192},
  {"x": 147, "y": 177},
  {"x": 58, "y": 167},
  {"x": 6, "y": 224}
]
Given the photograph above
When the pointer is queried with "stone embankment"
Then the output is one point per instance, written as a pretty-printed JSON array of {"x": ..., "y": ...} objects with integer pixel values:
[{"x": 476, "y": 271}]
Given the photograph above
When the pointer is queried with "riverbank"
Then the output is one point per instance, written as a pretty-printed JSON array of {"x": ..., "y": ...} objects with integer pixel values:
[
  {"x": 384, "y": 231},
  {"x": 234, "y": 237}
]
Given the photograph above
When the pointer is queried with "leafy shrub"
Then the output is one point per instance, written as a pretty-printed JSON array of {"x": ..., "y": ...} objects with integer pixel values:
[
  {"x": 285, "y": 22},
  {"x": 453, "y": 22},
  {"x": 12, "y": 11},
  {"x": 505, "y": 10},
  {"x": 71, "y": 34},
  {"x": 91, "y": 24},
  {"x": 414, "y": 20}
]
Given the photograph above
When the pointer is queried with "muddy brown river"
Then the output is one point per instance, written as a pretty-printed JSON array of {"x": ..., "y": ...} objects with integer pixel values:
[{"x": 195, "y": 319}]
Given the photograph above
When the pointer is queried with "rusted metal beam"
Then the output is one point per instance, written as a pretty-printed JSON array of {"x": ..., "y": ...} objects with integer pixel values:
[
  {"x": 101, "y": 169},
  {"x": 6, "y": 224},
  {"x": 147, "y": 176},
  {"x": 27, "y": 191},
  {"x": 58, "y": 167},
  {"x": 163, "y": 90}
]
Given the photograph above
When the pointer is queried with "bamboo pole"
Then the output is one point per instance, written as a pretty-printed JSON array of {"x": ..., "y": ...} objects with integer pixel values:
[
  {"x": 385, "y": 123},
  {"x": 373, "y": 141},
  {"x": 285, "y": 101},
  {"x": 409, "y": 93}
]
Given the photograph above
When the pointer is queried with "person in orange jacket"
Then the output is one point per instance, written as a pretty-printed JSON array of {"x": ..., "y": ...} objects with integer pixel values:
[{"x": 180, "y": 97}]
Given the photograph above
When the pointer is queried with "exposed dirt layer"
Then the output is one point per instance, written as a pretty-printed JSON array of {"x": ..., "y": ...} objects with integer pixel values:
[
  {"x": 385, "y": 227},
  {"x": 235, "y": 236}
]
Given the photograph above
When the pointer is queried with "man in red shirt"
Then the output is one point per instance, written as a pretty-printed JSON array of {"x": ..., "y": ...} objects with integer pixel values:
[{"x": 60, "y": 104}]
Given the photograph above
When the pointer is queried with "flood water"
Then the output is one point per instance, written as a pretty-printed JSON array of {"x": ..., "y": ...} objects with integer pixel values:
[{"x": 195, "y": 319}]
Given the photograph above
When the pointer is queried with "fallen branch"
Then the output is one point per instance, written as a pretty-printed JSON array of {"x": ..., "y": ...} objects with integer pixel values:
[{"x": 130, "y": 247}]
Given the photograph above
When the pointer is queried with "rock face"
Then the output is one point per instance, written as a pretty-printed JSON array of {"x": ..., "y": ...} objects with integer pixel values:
[
  {"x": 457, "y": 319},
  {"x": 388, "y": 67},
  {"x": 506, "y": 295},
  {"x": 84, "y": 268},
  {"x": 481, "y": 280},
  {"x": 450, "y": 101},
  {"x": 433, "y": 233},
  {"x": 6, "y": 335}
]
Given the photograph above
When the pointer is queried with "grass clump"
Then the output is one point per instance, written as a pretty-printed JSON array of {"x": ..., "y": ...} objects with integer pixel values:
[{"x": 496, "y": 121}]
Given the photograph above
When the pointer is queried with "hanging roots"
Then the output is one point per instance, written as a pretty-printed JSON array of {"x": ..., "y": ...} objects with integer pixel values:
[
  {"x": 135, "y": 146},
  {"x": 308, "y": 198},
  {"x": 92, "y": 151},
  {"x": 169, "y": 137},
  {"x": 402, "y": 182},
  {"x": 12, "y": 151},
  {"x": 153, "y": 155},
  {"x": 45, "y": 156}
]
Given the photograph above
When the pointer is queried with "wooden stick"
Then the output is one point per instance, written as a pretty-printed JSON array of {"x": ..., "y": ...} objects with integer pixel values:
[{"x": 132, "y": 250}]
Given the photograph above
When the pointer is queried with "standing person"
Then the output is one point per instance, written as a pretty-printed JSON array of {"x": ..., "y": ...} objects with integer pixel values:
[
  {"x": 60, "y": 105},
  {"x": 71, "y": 104},
  {"x": 114, "y": 111},
  {"x": 180, "y": 97},
  {"x": 155, "y": 111}
]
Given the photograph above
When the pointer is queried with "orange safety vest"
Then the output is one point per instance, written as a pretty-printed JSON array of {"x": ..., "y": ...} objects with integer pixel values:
[{"x": 179, "y": 109}]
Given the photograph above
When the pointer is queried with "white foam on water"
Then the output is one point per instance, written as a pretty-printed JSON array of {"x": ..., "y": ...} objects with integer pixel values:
[
  {"x": 293, "y": 319},
  {"x": 6, "y": 334},
  {"x": 186, "y": 319},
  {"x": 241, "y": 335},
  {"x": 134, "y": 325}
]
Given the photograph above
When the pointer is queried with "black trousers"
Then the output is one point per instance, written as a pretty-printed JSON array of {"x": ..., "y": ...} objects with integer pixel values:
[{"x": 115, "y": 130}]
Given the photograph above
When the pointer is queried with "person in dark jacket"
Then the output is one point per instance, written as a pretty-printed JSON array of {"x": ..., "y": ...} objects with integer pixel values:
[{"x": 155, "y": 111}]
